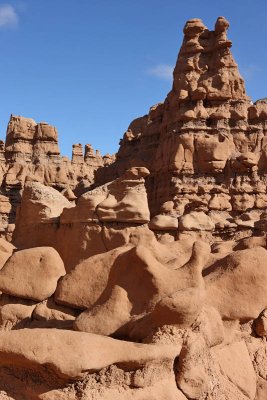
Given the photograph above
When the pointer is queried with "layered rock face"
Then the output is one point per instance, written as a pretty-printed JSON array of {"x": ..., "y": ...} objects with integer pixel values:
[
  {"x": 143, "y": 277},
  {"x": 205, "y": 146},
  {"x": 31, "y": 150}
]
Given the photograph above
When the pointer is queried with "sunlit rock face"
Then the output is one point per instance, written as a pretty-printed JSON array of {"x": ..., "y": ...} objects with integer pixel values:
[
  {"x": 206, "y": 139},
  {"x": 141, "y": 275},
  {"x": 31, "y": 152}
]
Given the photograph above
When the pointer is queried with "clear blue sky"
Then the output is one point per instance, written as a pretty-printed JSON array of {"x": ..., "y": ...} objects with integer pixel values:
[{"x": 91, "y": 66}]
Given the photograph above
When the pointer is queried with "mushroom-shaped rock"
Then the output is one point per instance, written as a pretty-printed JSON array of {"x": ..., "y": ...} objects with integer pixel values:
[
  {"x": 127, "y": 199},
  {"x": 32, "y": 273},
  {"x": 221, "y": 27}
]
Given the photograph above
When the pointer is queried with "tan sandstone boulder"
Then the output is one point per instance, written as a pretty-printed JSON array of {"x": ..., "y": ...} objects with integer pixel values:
[
  {"x": 48, "y": 314},
  {"x": 196, "y": 221},
  {"x": 15, "y": 313},
  {"x": 236, "y": 284},
  {"x": 164, "y": 223},
  {"x": 41, "y": 204},
  {"x": 236, "y": 364},
  {"x": 70, "y": 355},
  {"x": 142, "y": 294},
  {"x": 127, "y": 198},
  {"x": 32, "y": 273},
  {"x": 82, "y": 287},
  {"x": 260, "y": 324},
  {"x": 6, "y": 250}
]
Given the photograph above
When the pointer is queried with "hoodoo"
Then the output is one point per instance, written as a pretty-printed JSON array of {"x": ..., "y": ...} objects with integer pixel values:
[{"x": 141, "y": 275}]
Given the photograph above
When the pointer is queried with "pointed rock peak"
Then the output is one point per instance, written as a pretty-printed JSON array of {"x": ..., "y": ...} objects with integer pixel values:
[{"x": 205, "y": 68}]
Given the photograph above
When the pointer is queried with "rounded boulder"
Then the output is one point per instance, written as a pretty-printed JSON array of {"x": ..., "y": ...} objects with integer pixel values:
[{"x": 32, "y": 273}]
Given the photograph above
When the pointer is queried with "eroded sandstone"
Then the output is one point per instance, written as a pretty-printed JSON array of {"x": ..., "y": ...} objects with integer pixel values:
[{"x": 141, "y": 275}]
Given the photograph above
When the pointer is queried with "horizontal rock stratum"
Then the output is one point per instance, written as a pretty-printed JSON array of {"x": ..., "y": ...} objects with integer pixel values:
[{"x": 141, "y": 275}]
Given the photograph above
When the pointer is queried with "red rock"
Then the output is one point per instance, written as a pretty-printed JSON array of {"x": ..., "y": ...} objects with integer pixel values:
[
  {"x": 134, "y": 232},
  {"x": 32, "y": 273}
]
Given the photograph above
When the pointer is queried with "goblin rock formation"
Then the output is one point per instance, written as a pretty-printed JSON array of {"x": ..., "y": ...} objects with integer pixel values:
[
  {"x": 205, "y": 146},
  {"x": 31, "y": 150},
  {"x": 142, "y": 275}
]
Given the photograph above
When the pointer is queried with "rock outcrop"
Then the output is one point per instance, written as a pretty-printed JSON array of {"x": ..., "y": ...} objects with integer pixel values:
[
  {"x": 204, "y": 145},
  {"x": 32, "y": 273},
  {"x": 144, "y": 275},
  {"x": 31, "y": 151}
]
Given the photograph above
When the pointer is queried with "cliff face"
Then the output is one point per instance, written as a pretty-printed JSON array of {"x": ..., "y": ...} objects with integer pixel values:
[
  {"x": 205, "y": 146},
  {"x": 31, "y": 151},
  {"x": 141, "y": 276}
]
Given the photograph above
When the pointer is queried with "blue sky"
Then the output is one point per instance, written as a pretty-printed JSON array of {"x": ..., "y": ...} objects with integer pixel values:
[{"x": 91, "y": 66}]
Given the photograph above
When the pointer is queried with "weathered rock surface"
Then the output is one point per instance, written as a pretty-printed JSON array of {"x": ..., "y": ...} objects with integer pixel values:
[
  {"x": 232, "y": 277},
  {"x": 49, "y": 314},
  {"x": 31, "y": 150},
  {"x": 204, "y": 145},
  {"x": 15, "y": 313},
  {"x": 162, "y": 246},
  {"x": 6, "y": 250},
  {"x": 127, "y": 199},
  {"x": 71, "y": 354},
  {"x": 148, "y": 294},
  {"x": 83, "y": 286},
  {"x": 32, "y": 273},
  {"x": 41, "y": 204},
  {"x": 229, "y": 359}
]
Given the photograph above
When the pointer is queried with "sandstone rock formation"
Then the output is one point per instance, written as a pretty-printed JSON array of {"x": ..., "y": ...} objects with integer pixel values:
[
  {"x": 31, "y": 151},
  {"x": 141, "y": 276},
  {"x": 32, "y": 273},
  {"x": 205, "y": 145}
]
